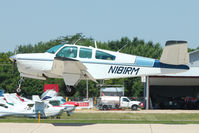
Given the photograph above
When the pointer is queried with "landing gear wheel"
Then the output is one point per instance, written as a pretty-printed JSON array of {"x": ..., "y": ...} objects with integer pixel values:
[
  {"x": 18, "y": 89},
  {"x": 69, "y": 90},
  {"x": 68, "y": 114}
]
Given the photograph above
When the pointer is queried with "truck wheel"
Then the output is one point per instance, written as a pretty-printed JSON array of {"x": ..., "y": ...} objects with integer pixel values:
[
  {"x": 117, "y": 106},
  {"x": 104, "y": 107},
  {"x": 134, "y": 107}
]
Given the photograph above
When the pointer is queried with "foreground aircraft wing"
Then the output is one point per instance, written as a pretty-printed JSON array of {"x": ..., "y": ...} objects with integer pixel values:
[{"x": 71, "y": 70}]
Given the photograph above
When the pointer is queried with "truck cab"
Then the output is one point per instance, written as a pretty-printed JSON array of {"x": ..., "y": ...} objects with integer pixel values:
[{"x": 127, "y": 103}]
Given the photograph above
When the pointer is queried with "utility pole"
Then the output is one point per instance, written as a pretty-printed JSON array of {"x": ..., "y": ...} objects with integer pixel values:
[
  {"x": 147, "y": 93},
  {"x": 87, "y": 89},
  {"x": 145, "y": 80}
]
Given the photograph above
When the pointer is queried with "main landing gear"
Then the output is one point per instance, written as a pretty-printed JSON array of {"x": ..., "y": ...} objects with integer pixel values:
[
  {"x": 18, "y": 89},
  {"x": 69, "y": 90}
]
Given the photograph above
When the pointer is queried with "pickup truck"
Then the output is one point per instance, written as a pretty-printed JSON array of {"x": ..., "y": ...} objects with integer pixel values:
[{"x": 116, "y": 102}]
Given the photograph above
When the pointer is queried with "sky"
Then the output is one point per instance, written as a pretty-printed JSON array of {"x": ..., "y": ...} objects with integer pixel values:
[{"x": 25, "y": 22}]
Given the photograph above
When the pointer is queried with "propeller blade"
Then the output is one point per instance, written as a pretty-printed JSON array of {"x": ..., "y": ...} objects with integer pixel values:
[{"x": 13, "y": 67}]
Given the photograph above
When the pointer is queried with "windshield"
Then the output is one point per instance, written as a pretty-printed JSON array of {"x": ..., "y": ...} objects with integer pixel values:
[
  {"x": 54, "y": 49},
  {"x": 68, "y": 51}
]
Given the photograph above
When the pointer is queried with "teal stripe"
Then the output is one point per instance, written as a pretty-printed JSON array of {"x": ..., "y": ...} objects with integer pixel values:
[{"x": 142, "y": 61}]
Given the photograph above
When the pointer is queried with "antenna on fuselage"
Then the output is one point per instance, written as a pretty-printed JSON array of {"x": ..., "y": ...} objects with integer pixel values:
[
  {"x": 95, "y": 44},
  {"x": 122, "y": 47},
  {"x": 77, "y": 41}
]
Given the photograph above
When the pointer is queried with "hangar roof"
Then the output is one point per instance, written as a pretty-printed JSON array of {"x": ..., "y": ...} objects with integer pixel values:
[{"x": 194, "y": 58}]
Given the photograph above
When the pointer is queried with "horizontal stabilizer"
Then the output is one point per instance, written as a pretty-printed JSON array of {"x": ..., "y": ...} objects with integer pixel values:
[{"x": 175, "y": 52}]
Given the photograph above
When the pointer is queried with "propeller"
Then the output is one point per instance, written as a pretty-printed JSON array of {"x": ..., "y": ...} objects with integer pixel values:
[
  {"x": 13, "y": 59},
  {"x": 13, "y": 66}
]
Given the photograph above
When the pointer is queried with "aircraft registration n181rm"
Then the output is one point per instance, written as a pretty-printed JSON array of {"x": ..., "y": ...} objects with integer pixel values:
[{"x": 74, "y": 63}]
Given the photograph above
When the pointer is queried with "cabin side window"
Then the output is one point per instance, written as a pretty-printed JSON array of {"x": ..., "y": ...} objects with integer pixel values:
[
  {"x": 104, "y": 56},
  {"x": 85, "y": 53},
  {"x": 68, "y": 52}
]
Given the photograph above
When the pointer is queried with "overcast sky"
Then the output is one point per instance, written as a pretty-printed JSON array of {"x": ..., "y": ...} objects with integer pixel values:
[{"x": 26, "y": 21}]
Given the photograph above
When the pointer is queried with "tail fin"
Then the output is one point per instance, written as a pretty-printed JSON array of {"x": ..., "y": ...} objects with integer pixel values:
[{"x": 175, "y": 52}]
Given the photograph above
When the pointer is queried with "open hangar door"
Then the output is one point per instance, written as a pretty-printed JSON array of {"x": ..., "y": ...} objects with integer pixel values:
[{"x": 168, "y": 92}]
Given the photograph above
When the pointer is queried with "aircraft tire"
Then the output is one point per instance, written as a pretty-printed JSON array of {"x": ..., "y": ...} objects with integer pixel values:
[{"x": 69, "y": 90}]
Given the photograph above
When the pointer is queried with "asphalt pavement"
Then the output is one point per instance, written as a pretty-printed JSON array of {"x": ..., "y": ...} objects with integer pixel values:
[{"x": 97, "y": 128}]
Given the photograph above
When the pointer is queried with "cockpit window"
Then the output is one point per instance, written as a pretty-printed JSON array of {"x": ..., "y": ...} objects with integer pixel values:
[
  {"x": 54, "y": 49},
  {"x": 68, "y": 51},
  {"x": 55, "y": 103},
  {"x": 85, "y": 53},
  {"x": 104, "y": 56}
]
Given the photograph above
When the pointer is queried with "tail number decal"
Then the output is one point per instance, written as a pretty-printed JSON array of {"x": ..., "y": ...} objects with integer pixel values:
[{"x": 123, "y": 70}]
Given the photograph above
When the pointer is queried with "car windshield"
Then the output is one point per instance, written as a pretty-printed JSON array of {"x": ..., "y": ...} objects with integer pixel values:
[{"x": 54, "y": 49}]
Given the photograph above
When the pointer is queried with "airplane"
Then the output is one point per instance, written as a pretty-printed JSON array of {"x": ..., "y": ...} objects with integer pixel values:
[
  {"x": 51, "y": 97},
  {"x": 74, "y": 63},
  {"x": 14, "y": 105}
]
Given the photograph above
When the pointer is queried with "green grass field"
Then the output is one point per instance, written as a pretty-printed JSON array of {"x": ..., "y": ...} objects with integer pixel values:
[{"x": 184, "y": 118}]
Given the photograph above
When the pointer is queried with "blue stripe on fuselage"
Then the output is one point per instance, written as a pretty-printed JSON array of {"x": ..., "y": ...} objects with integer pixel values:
[
  {"x": 142, "y": 61},
  {"x": 158, "y": 64}
]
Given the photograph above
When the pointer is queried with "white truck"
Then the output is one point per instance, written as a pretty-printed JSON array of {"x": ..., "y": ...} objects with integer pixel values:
[{"x": 116, "y": 102}]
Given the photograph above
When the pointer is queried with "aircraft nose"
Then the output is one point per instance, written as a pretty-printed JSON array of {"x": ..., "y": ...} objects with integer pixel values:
[{"x": 13, "y": 58}]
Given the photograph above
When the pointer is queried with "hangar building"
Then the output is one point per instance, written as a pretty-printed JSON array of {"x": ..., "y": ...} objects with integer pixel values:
[{"x": 175, "y": 91}]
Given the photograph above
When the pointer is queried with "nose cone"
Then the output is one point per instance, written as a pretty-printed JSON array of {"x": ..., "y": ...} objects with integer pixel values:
[{"x": 13, "y": 58}]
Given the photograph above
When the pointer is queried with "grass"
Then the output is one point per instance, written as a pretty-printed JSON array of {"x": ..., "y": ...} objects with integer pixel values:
[{"x": 184, "y": 118}]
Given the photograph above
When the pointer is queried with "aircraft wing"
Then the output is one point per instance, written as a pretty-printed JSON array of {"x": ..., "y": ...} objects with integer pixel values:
[{"x": 71, "y": 70}]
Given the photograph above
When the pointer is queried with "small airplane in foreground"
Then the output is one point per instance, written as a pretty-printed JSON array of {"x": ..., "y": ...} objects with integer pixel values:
[
  {"x": 50, "y": 105},
  {"x": 14, "y": 105},
  {"x": 74, "y": 63},
  {"x": 51, "y": 97}
]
